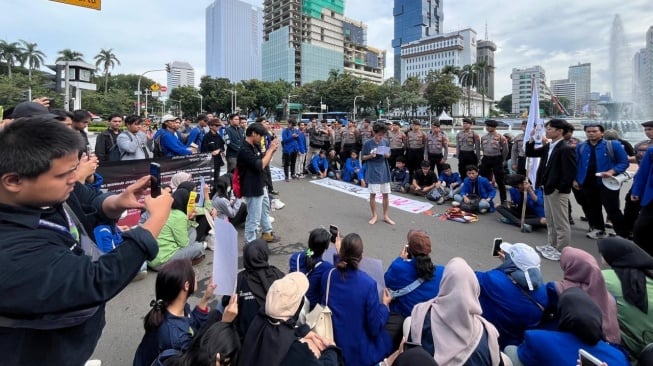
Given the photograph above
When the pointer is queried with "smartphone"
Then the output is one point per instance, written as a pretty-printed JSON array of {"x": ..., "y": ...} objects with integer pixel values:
[
  {"x": 334, "y": 232},
  {"x": 155, "y": 179},
  {"x": 496, "y": 247},
  {"x": 586, "y": 359},
  {"x": 88, "y": 151}
]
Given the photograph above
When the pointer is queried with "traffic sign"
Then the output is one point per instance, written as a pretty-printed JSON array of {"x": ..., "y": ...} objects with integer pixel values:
[
  {"x": 154, "y": 87},
  {"x": 91, "y": 4},
  {"x": 163, "y": 88}
]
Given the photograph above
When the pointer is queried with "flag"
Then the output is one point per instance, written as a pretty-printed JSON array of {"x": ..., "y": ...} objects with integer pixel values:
[{"x": 534, "y": 128}]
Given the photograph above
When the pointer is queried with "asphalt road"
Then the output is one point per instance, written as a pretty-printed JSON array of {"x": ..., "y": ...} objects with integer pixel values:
[{"x": 309, "y": 206}]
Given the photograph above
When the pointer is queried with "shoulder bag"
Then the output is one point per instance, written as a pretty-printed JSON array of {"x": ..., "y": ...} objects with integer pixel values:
[{"x": 320, "y": 319}]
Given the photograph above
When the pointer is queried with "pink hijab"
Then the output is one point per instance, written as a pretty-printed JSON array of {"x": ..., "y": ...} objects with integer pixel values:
[
  {"x": 456, "y": 321},
  {"x": 581, "y": 270}
]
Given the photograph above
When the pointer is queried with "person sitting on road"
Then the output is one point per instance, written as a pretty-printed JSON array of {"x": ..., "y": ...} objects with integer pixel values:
[
  {"x": 400, "y": 176},
  {"x": 169, "y": 140},
  {"x": 424, "y": 180},
  {"x": 177, "y": 238},
  {"x": 579, "y": 327},
  {"x": 352, "y": 167},
  {"x": 311, "y": 264},
  {"x": 630, "y": 282},
  {"x": 534, "y": 217},
  {"x": 475, "y": 187},
  {"x": 513, "y": 296},
  {"x": 335, "y": 167},
  {"x": 319, "y": 165},
  {"x": 170, "y": 324},
  {"x": 449, "y": 184},
  {"x": 199, "y": 221},
  {"x": 228, "y": 207},
  {"x": 412, "y": 278}
]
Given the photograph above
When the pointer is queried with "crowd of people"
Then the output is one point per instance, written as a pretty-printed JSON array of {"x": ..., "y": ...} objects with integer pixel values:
[{"x": 442, "y": 314}]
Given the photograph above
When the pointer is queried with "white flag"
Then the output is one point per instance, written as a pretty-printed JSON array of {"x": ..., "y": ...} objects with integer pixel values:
[{"x": 534, "y": 128}]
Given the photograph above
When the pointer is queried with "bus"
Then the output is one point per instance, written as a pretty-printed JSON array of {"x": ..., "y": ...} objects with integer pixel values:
[{"x": 329, "y": 116}]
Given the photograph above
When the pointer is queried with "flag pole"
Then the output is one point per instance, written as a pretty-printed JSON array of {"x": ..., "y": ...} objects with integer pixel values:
[{"x": 533, "y": 120}]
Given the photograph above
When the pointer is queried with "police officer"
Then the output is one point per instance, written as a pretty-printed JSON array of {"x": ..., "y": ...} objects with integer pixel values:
[
  {"x": 495, "y": 152},
  {"x": 366, "y": 132},
  {"x": 468, "y": 147},
  {"x": 415, "y": 142},
  {"x": 349, "y": 138},
  {"x": 632, "y": 208},
  {"x": 337, "y": 136},
  {"x": 517, "y": 153},
  {"x": 437, "y": 147},
  {"x": 397, "y": 139}
]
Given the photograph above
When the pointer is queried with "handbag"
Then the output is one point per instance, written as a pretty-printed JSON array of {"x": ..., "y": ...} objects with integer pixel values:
[
  {"x": 472, "y": 206},
  {"x": 320, "y": 319}
]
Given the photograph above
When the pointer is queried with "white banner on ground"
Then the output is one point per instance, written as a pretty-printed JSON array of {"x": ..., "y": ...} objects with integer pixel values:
[
  {"x": 402, "y": 203},
  {"x": 277, "y": 173},
  {"x": 225, "y": 257}
]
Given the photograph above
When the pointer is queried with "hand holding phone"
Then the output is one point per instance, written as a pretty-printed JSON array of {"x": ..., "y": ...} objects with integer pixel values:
[
  {"x": 155, "y": 180},
  {"x": 496, "y": 247},
  {"x": 334, "y": 232}
]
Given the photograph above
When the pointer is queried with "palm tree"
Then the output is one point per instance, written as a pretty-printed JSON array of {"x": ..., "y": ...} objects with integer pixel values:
[
  {"x": 469, "y": 79},
  {"x": 33, "y": 57},
  {"x": 483, "y": 68},
  {"x": 451, "y": 70},
  {"x": 10, "y": 53},
  {"x": 108, "y": 60},
  {"x": 70, "y": 55}
]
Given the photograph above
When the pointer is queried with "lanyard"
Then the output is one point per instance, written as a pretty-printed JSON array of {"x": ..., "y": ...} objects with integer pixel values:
[{"x": 71, "y": 230}]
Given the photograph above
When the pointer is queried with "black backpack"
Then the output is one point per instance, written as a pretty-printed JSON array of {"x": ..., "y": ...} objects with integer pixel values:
[
  {"x": 114, "y": 153},
  {"x": 157, "y": 150}
]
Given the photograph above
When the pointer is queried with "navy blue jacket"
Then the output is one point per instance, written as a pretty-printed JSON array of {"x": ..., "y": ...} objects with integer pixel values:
[
  {"x": 315, "y": 290},
  {"x": 170, "y": 143},
  {"x": 402, "y": 273},
  {"x": 290, "y": 143},
  {"x": 603, "y": 160},
  {"x": 643, "y": 182}
]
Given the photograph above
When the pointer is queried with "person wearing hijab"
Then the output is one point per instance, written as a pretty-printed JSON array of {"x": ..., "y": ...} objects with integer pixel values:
[
  {"x": 274, "y": 339},
  {"x": 579, "y": 327},
  {"x": 253, "y": 283},
  {"x": 630, "y": 281},
  {"x": 178, "y": 178},
  {"x": 174, "y": 240},
  {"x": 581, "y": 270},
  {"x": 513, "y": 297},
  {"x": 450, "y": 326},
  {"x": 358, "y": 316}
]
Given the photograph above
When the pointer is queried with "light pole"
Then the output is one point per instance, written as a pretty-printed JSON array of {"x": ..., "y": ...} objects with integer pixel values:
[
  {"x": 178, "y": 101},
  {"x": 201, "y": 99},
  {"x": 234, "y": 95},
  {"x": 138, "y": 93},
  {"x": 356, "y": 97}
]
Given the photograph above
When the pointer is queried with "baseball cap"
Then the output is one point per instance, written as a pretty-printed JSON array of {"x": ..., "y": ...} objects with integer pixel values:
[
  {"x": 285, "y": 296},
  {"x": 168, "y": 117},
  {"x": 31, "y": 109},
  {"x": 524, "y": 257}
]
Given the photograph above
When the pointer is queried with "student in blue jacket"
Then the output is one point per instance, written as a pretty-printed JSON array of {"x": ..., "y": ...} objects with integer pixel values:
[
  {"x": 169, "y": 140},
  {"x": 359, "y": 317},
  {"x": 513, "y": 296},
  {"x": 352, "y": 167},
  {"x": 290, "y": 146},
  {"x": 535, "y": 217},
  {"x": 311, "y": 264},
  {"x": 319, "y": 164},
  {"x": 642, "y": 192},
  {"x": 400, "y": 176},
  {"x": 579, "y": 327},
  {"x": 479, "y": 186}
]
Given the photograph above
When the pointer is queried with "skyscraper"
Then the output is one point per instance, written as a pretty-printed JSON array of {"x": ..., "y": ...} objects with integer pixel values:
[
  {"x": 522, "y": 86},
  {"x": 181, "y": 74},
  {"x": 581, "y": 75},
  {"x": 413, "y": 20},
  {"x": 234, "y": 31}
]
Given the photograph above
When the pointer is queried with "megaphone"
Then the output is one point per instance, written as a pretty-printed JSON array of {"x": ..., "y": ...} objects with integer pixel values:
[{"x": 614, "y": 183}]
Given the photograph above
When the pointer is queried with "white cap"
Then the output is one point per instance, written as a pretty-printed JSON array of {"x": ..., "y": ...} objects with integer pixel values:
[
  {"x": 168, "y": 117},
  {"x": 524, "y": 257}
]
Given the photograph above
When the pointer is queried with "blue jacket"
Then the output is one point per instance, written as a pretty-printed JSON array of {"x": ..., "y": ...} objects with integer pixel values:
[
  {"x": 350, "y": 167},
  {"x": 107, "y": 237},
  {"x": 174, "y": 333},
  {"x": 196, "y": 136},
  {"x": 603, "y": 161},
  {"x": 290, "y": 143},
  {"x": 315, "y": 291},
  {"x": 548, "y": 347},
  {"x": 536, "y": 207},
  {"x": 485, "y": 189},
  {"x": 453, "y": 178},
  {"x": 359, "y": 317},
  {"x": 508, "y": 308},
  {"x": 402, "y": 176},
  {"x": 170, "y": 143},
  {"x": 643, "y": 182},
  {"x": 302, "y": 143},
  {"x": 400, "y": 274},
  {"x": 320, "y": 164}
]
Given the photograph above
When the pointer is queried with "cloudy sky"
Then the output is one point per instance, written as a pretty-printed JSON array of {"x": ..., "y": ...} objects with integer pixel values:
[{"x": 145, "y": 34}]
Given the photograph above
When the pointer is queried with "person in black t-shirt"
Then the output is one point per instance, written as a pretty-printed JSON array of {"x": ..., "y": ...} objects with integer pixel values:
[{"x": 424, "y": 180}]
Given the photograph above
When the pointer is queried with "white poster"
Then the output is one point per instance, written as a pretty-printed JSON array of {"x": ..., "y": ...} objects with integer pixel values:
[
  {"x": 374, "y": 268},
  {"x": 225, "y": 257}
]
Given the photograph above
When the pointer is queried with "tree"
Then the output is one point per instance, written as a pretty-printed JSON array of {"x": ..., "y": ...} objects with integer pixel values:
[
  {"x": 505, "y": 104},
  {"x": 70, "y": 55},
  {"x": 441, "y": 92},
  {"x": 33, "y": 57},
  {"x": 10, "y": 53},
  {"x": 469, "y": 79},
  {"x": 216, "y": 97},
  {"x": 108, "y": 60},
  {"x": 189, "y": 98}
]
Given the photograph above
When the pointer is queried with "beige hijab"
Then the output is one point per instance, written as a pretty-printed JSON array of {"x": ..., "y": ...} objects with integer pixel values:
[{"x": 456, "y": 321}]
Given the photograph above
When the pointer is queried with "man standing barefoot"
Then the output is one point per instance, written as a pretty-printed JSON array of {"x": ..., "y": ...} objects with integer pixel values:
[{"x": 375, "y": 154}]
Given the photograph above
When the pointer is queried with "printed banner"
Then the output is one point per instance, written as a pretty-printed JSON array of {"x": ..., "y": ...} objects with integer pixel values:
[{"x": 402, "y": 203}]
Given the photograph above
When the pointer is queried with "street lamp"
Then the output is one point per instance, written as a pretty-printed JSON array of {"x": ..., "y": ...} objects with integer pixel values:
[
  {"x": 234, "y": 95},
  {"x": 356, "y": 97},
  {"x": 178, "y": 101},
  {"x": 201, "y": 100},
  {"x": 138, "y": 92}
]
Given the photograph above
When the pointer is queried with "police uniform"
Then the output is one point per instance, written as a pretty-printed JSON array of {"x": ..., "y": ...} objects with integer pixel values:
[
  {"x": 518, "y": 155},
  {"x": 437, "y": 149},
  {"x": 337, "y": 137},
  {"x": 365, "y": 135},
  {"x": 468, "y": 149},
  {"x": 349, "y": 138},
  {"x": 415, "y": 143},
  {"x": 495, "y": 151},
  {"x": 397, "y": 145}
]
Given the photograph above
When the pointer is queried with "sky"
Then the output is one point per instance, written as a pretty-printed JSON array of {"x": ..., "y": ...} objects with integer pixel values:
[{"x": 145, "y": 34}]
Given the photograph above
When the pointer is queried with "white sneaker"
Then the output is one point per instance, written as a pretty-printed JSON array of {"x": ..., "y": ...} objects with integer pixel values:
[
  {"x": 271, "y": 219},
  {"x": 544, "y": 248},
  {"x": 209, "y": 242},
  {"x": 596, "y": 234},
  {"x": 552, "y": 255}
]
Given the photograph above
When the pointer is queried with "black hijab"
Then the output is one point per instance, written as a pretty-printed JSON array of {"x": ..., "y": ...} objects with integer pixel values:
[
  {"x": 632, "y": 265},
  {"x": 580, "y": 316},
  {"x": 415, "y": 357},
  {"x": 258, "y": 272},
  {"x": 180, "y": 199}
]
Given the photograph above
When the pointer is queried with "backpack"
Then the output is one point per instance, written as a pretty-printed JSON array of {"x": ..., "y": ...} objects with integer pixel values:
[
  {"x": 114, "y": 153},
  {"x": 608, "y": 146},
  {"x": 235, "y": 183},
  {"x": 157, "y": 150}
]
